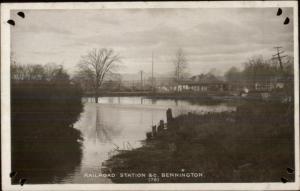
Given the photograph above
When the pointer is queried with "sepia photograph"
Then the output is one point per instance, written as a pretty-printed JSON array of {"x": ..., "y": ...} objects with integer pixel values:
[{"x": 134, "y": 95}]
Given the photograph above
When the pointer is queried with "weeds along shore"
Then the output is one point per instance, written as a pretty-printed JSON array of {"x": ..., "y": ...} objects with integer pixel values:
[{"x": 253, "y": 144}]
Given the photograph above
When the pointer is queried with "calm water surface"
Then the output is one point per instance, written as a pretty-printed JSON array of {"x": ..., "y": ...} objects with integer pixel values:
[{"x": 122, "y": 122}]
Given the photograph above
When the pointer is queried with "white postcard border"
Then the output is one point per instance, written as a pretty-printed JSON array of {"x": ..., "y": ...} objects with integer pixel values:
[{"x": 5, "y": 96}]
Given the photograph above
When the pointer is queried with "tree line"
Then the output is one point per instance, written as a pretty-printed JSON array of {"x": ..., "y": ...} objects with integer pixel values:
[
  {"x": 258, "y": 70},
  {"x": 35, "y": 72},
  {"x": 45, "y": 104},
  {"x": 98, "y": 65}
]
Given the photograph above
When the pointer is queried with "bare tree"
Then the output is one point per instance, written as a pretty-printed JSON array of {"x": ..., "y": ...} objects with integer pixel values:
[
  {"x": 95, "y": 65},
  {"x": 36, "y": 72},
  {"x": 181, "y": 65}
]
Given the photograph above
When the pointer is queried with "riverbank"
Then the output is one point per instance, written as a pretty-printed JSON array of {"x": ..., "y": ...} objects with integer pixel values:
[
  {"x": 203, "y": 97},
  {"x": 151, "y": 94},
  {"x": 43, "y": 139},
  {"x": 253, "y": 144},
  {"x": 191, "y": 97}
]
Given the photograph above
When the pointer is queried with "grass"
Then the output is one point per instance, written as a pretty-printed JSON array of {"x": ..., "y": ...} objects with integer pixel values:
[{"x": 253, "y": 144}]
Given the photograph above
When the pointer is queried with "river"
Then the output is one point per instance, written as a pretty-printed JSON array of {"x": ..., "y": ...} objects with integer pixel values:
[{"x": 122, "y": 122}]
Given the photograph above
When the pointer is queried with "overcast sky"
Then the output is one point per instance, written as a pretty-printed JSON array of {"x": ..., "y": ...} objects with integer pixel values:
[{"x": 211, "y": 38}]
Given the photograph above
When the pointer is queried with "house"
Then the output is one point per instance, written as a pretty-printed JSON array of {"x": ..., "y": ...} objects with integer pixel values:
[
  {"x": 270, "y": 84},
  {"x": 202, "y": 83}
]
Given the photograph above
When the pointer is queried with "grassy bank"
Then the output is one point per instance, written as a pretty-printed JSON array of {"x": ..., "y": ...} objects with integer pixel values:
[
  {"x": 253, "y": 144},
  {"x": 45, "y": 146}
]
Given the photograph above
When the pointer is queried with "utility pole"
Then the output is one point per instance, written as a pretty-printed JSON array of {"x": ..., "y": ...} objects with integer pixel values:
[
  {"x": 152, "y": 79},
  {"x": 177, "y": 80},
  {"x": 278, "y": 56},
  {"x": 142, "y": 80}
]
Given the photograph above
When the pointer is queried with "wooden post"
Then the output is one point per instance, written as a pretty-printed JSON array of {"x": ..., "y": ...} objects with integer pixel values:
[
  {"x": 154, "y": 131},
  {"x": 161, "y": 123},
  {"x": 169, "y": 115},
  {"x": 161, "y": 126},
  {"x": 149, "y": 135}
]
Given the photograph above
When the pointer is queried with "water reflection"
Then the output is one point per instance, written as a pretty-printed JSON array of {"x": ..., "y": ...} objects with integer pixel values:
[
  {"x": 101, "y": 133},
  {"x": 121, "y": 123}
]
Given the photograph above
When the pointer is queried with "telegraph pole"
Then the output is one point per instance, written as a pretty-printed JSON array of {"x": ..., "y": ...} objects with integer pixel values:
[
  {"x": 278, "y": 56},
  {"x": 152, "y": 79},
  {"x": 142, "y": 80}
]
